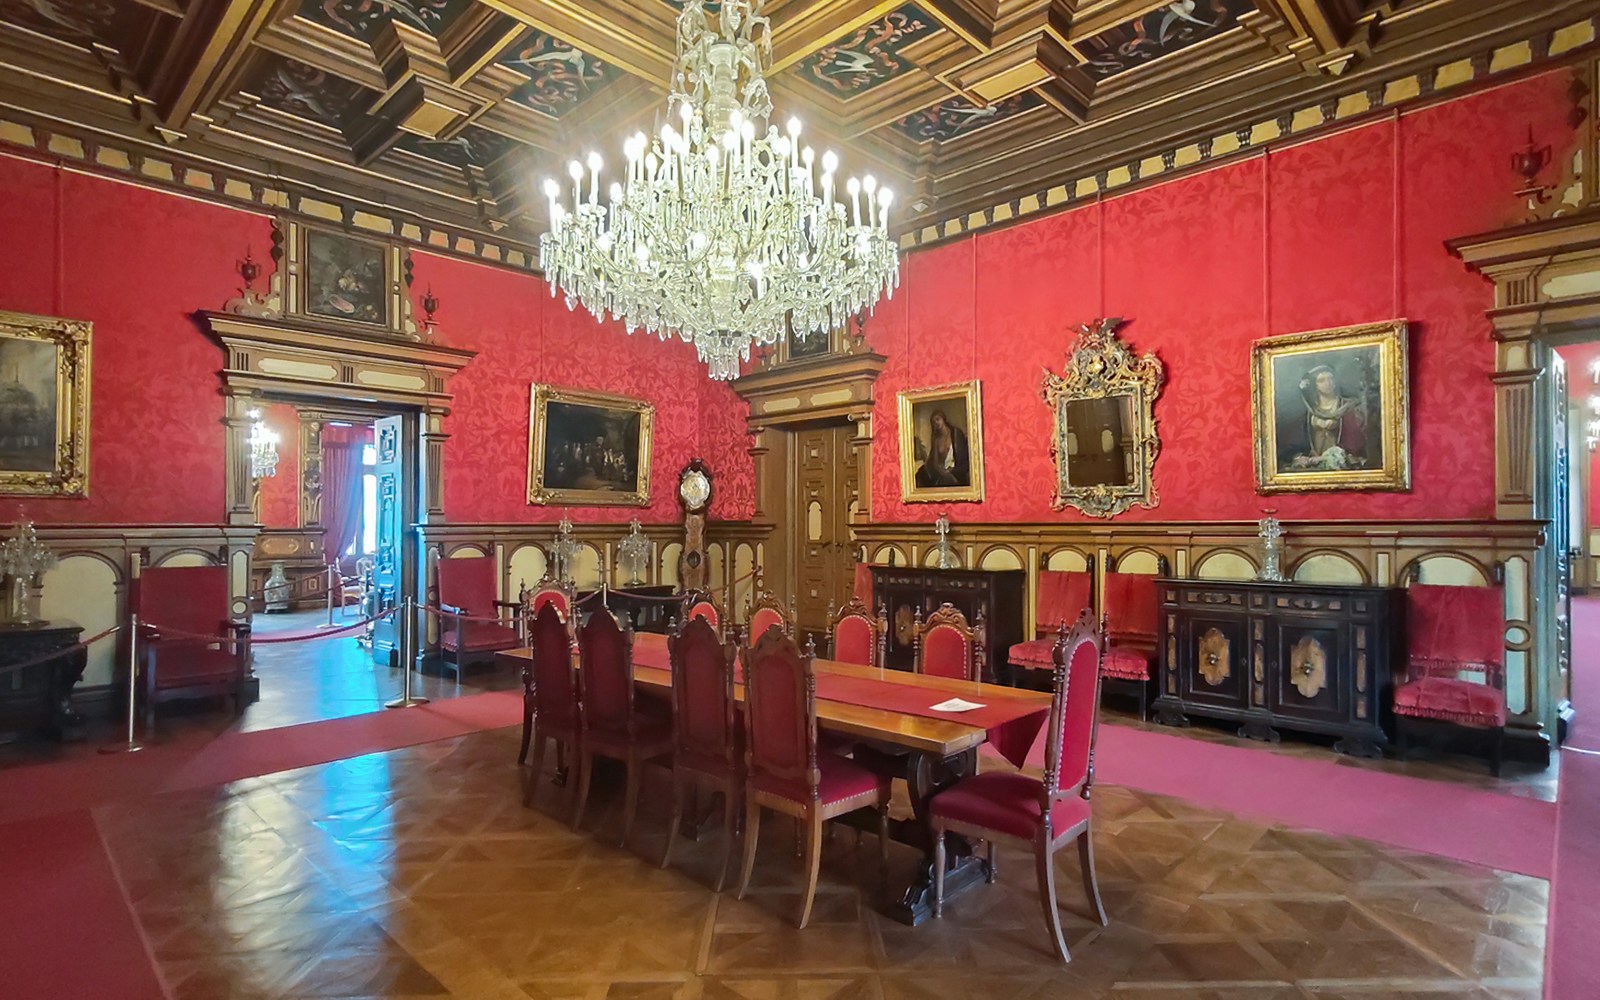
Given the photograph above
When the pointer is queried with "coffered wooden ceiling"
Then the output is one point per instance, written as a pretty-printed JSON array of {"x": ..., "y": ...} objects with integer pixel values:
[{"x": 453, "y": 110}]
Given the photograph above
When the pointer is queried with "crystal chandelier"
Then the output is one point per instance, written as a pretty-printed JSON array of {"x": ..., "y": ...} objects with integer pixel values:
[
  {"x": 263, "y": 448},
  {"x": 724, "y": 231}
]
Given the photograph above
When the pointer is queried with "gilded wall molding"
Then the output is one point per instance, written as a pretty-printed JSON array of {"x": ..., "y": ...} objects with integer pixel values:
[{"x": 1430, "y": 85}]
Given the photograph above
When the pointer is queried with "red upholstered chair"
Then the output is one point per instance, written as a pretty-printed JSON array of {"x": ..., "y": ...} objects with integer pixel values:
[
  {"x": 1062, "y": 596},
  {"x": 548, "y": 591},
  {"x": 785, "y": 771},
  {"x": 1042, "y": 814},
  {"x": 610, "y": 724},
  {"x": 857, "y": 636},
  {"x": 1132, "y": 608},
  {"x": 549, "y": 693},
  {"x": 705, "y": 727},
  {"x": 945, "y": 646},
  {"x": 765, "y": 611},
  {"x": 466, "y": 587},
  {"x": 1455, "y": 662},
  {"x": 171, "y": 600}
]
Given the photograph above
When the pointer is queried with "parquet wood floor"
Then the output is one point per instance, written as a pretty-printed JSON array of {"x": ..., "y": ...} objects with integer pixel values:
[{"x": 417, "y": 874}]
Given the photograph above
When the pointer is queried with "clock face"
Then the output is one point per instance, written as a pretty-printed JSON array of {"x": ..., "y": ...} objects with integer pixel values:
[{"x": 694, "y": 489}]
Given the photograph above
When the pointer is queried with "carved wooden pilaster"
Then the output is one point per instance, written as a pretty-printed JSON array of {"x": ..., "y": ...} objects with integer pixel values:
[
  {"x": 433, "y": 439},
  {"x": 239, "y": 484},
  {"x": 861, "y": 443},
  {"x": 760, "y": 447}
]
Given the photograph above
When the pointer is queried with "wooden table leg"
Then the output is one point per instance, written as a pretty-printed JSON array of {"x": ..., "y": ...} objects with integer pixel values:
[{"x": 926, "y": 776}]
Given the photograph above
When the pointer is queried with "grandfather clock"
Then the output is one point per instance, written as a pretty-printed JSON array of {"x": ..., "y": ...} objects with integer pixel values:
[{"x": 694, "y": 493}]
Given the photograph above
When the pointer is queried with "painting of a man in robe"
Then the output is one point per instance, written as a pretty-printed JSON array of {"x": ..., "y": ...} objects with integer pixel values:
[
  {"x": 941, "y": 443},
  {"x": 1324, "y": 404},
  {"x": 942, "y": 452}
]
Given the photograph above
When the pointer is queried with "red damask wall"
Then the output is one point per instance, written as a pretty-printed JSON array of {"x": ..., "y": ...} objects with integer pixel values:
[
  {"x": 1343, "y": 230},
  {"x": 138, "y": 264}
]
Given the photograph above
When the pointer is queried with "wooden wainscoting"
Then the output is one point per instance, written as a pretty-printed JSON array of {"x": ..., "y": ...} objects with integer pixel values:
[
  {"x": 522, "y": 554},
  {"x": 89, "y": 584},
  {"x": 1381, "y": 553}
]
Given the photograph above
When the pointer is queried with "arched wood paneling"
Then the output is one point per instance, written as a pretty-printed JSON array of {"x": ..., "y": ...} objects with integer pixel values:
[
  {"x": 1000, "y": 557},
  {"x": 526, "y": 567},
  {"x": 670, "y": 553},
  {"x": 889, "y": 555},
  {"x": 465, "y": 551},
  {"x": 1067, "y": 561},
  {"x": 1225, "y": 564},
  {"x": 586, "y": 569},
  {"x": 83, "y": 588},
  {"x": 1445, "y": 570},
  {"x": 1329, "y": 567},
  {"x": 186, "y": 557},
  {"x": 1138, "y": 561}
]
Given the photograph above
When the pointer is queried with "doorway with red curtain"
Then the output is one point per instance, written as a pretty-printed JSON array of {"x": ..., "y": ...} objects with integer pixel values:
[{"x": 344, "y": 461}]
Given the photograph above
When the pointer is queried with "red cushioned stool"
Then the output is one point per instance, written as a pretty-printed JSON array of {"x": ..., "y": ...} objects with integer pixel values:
[{"x": 1454, "y": 634}]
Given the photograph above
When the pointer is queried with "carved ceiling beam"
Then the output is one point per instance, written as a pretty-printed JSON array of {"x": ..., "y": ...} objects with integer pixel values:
[
  {"x": 801, "y": 29},
  {"x": 1328, "y": 36},
  {"x": 421, "y": 97},
  {"x": 196, "y": 60}
]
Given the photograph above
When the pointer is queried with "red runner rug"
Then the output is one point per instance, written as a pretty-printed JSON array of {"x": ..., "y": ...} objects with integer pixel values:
[{"x": 1571, "y": 972}]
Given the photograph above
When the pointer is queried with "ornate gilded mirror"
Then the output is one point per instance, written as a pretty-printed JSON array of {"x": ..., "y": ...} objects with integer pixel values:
[{"x": 1104, "y": 443}]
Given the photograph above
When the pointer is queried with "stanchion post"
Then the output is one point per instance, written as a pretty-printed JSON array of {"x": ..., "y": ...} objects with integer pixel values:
[
  {"x": 408, "y": 655},
  {"x": 331, "y": 583},
  {"x": 132, "y": 745}
]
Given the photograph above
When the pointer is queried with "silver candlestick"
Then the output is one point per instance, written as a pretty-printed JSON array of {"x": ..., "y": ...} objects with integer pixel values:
[
  {"x": 1271, "y": 535},
  {"x": 633, "y": 552},
  {"x": 564, "y": 550},
  {"x": 946, "y": 551}
]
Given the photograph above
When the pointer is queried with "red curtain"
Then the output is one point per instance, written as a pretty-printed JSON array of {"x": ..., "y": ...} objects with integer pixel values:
[{"x": 341, "y": 486}]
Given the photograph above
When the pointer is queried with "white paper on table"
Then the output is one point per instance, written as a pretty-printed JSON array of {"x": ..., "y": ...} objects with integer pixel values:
[{"x": 956, "y": 705}]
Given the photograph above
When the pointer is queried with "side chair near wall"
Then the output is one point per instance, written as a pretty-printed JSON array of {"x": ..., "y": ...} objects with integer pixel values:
[
  {"x": 1131, "y": 605},
  {"x": 193, "y": 599},
  {"x": 611, "y": 722},
  {"x": 946, "y": 646},
  {"x": 548, "y": 591},
  {"x": 706, "y": 748},
  {"x": 700, "y": 604},
  {"x": 1042, "y": 814},
  {"x": 549, "y": 693},
  {"x": 467, "y": 587},
  {"x": 1062, "y": 596},
  {"x": 856, "y": 636},
  {"x": 1455, "y": 663},
  {"x": 786, "y": 771}
]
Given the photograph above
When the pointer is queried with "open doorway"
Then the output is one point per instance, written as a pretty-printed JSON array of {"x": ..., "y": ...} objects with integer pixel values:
[{"x": 1575, "y": 471}]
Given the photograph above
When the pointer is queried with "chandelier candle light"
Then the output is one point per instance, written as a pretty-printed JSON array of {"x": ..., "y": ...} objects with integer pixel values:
[{"x": 724, "y": 230}]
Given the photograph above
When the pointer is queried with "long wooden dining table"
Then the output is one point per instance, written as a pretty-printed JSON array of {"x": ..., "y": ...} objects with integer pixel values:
[{"x": 890, "y": 714}]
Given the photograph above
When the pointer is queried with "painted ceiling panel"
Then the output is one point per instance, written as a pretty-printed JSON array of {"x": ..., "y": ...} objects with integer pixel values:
[
  {"x": 560, "y": 77},
  {"x": 359, "y": 18},
  {"x": 959, "y": 117},
  {"x": 869, "y": 56},
  {"x": 473, "y": 147},
  {"x": 1159, "y": 33},
  {"x": 304, "y": 91}
]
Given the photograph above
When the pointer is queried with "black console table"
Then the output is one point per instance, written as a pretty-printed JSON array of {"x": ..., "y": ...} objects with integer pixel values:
[
  {"x": 38, "y": 699},
  {"x": 1302, "y": 657},
  {"x": 999, "y": 593},
  {"x": 643, "y": 607}
]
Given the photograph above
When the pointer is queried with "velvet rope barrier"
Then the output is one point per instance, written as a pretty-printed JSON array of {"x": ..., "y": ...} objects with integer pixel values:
[{"x": 268, "y": 640}]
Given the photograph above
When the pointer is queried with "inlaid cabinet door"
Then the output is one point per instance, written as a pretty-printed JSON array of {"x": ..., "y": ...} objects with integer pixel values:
[
  {"x": 1213, "y": 661},
  {"x": 823, "y": 486},
  {"x": 1312, "y": 679}
]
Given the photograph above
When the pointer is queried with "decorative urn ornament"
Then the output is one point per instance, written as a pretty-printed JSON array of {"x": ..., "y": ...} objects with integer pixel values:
[{"x": 276, "y": 590}]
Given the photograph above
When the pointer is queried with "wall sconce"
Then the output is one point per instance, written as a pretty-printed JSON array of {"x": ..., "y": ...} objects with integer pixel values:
[{"x": 263, "y": 448}]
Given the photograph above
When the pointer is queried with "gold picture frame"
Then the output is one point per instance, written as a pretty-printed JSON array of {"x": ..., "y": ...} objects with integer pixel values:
[
  {"x": 588, "y": 449},
  {"x": 1104, "y": 443},
  {"x": 1331, "y": 409},
  {"x": 961, "y": 477},
  {"x": 44, "y": 405}
]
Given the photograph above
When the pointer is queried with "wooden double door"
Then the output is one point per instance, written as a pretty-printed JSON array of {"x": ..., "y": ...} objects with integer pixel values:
[{"x": 824, "y": 491}]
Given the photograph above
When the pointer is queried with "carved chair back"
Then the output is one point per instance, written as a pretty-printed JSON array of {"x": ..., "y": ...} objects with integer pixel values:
[
  {"x": 703, "y": 706},
  {"x": 1074, "y": 711},
  {"x": 858, "y": 636},
  {"x": 701, "y": 604},
  {"x": 1456, "y": 632},
  {"x": 781, "y": 701},
  {"x": 605, "y": 674},
  {"x": 946, "y": 646},
  {"x": 549, "y": 591},
  {"x": 555, "y": 693},
  {"x": 765, "y": 611}
]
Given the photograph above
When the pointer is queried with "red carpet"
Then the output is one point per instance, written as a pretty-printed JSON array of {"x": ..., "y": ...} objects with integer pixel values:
[
  {"x": 69, "y": 934},
  {"x": 92, "y": 780},
  {"x": 1585, "y": 731},
  {"x": 1571, "y": 972},
  {"x": 1508, "y": 832}
]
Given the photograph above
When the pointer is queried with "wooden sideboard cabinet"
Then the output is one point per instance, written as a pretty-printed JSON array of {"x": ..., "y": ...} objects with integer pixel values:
[
  {"x": 38, "y": 698},
  {"x": 998, "y": 592},
  {"x": 1302, "y": 657}
]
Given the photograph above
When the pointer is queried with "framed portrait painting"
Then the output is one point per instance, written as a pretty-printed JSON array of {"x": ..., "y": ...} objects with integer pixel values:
[
  {"x": 1331, "y": 410},
  {"x": 941, "y": 444},
  {"x": 588, "y": 448},
  {"x": 44, "y": 406}
]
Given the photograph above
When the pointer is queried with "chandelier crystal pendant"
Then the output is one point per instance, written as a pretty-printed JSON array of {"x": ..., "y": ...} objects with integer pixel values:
[
  {"x": 724, "y": 230},
  {"x": 263, "y": 448}
]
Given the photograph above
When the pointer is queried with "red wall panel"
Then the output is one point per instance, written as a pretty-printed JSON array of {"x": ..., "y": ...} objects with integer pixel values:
[
  {"x": 1343, "y": 230},
  {"x": 280, "y": 494},
  {"x": 137, "y": 264}
]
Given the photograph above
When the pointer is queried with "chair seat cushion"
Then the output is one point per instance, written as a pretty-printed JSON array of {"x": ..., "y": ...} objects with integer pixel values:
[
  {"x": 178, "y": 665},
  {"x": 479, "y": 637},
  {"x": 842, "y": 779},
  {"x": 1035, "y": 654},
  {"x": 1005, "y": 802},
  {"x": 1450, "y": 699},
  {"x": 1125, "y": 664}
]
